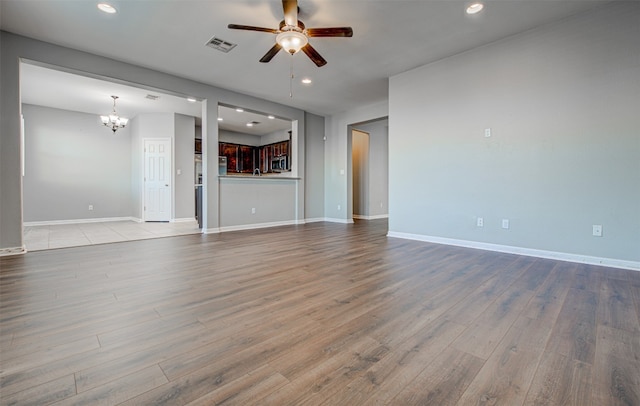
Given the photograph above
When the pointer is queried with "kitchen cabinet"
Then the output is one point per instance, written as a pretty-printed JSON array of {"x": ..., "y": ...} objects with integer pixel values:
[{"x": 244, "y": 158}]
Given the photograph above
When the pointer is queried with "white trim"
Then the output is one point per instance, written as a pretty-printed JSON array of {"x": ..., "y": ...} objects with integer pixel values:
[
  {"x": 335, "y": 220},
  {"x": 378, "y": 216},
  {"x": 253, "y": 226},
  {"x": 5, "y": 252},
  {"x": 79, "y": 221},
  {"x": 257, "y": 225},
  {"x": 315, "y": 220},
  {"x": 561, "y": 256},
  {"x": 183, "y": 220}
]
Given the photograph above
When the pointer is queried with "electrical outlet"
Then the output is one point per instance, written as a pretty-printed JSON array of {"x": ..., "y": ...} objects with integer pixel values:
[
  {"x": 480, "y": 222},
  {"x": 338, "y": 207},
  {"x": 90, "y": 207},
  {"x": 505, "y": 224},
  {"x": 597, "y": 230},
  {"x": 487, "y": 132},
  {"x": 253, "y": 210}
]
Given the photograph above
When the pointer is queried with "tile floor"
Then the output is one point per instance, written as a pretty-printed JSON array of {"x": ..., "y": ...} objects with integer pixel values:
[{"x": 38, "y": 238}]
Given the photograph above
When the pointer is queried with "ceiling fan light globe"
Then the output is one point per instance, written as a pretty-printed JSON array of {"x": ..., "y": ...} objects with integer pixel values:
[{"x": 292, "y": 41}]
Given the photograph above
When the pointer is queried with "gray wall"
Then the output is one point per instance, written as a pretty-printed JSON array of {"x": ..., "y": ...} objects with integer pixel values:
[
  {"x": 239, "y": 138},
  {"x": 273, "y": 200},
  {"x": 314, "y": 171},
  {"x": 72, "y": 162},
  {"x": 184, "y": 174},
  {"x": 276, "y": 136},
  {"x": 137, "y": 168},
  {"x": 250, "y": 139},
  {"x": 562, "y": 102}
]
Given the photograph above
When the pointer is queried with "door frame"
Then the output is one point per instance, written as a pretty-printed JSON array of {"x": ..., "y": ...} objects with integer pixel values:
[{"x": 143, "y": 181}]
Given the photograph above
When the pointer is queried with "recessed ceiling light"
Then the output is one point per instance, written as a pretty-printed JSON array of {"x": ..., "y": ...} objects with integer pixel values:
[
  {"x": 306, "y": 81},
  {"x": 271, "y": 117},
  {"x": 249, "y": 124},
  {"x": 474, "y": 8},
  {"x": 107, "y": 8},
  {"x": 219, "y": 118},
  {"x": 239, "y": 110},
  {"x": 191, "y": 99}
]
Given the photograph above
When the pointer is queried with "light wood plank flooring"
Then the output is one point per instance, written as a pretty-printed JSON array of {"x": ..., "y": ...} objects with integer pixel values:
[{"x": 317, "y": 314}]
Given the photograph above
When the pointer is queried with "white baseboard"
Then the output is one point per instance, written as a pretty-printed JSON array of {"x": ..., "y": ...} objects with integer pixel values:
[
  {"x": 252, "y": 226},
  {"x": 78, "y": 221},
  {"x": 275, "y": 224},
  {"x": 5, "y": 252},
  {"x": 314, "y": 220},
  {"x": 560, "y": 256},
  {"x": 335, "y": 220},
  {"x": 377, "y": 216},
  {"x": 257, "y": 225}
]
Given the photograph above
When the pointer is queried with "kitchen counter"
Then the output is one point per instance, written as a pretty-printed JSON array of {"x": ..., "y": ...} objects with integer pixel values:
[{"x": 269, "y": 176}]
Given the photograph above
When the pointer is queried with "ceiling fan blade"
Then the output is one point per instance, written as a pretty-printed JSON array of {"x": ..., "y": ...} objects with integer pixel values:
[
  {"x": 271, "y": 53},
  {"x": 330, "y": 32},
  {"x": 314, "y": 55},
  {"x": 290, "y": 8},
  {"x": 251, "y": 28}
]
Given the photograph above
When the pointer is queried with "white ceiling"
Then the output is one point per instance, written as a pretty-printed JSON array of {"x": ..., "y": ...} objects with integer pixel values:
[
  {"x": 63, "y": 90},
  {"x": 390, "y": 37}
]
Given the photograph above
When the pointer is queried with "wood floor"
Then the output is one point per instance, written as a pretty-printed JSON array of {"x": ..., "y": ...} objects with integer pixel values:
[{"x": 317, "y": 314}]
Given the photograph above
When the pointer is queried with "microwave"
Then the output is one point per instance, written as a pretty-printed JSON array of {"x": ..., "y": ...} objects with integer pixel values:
[{"x": 279, "y": 163}]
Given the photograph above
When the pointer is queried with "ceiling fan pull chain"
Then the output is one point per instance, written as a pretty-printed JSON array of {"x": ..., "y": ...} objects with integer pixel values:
[{"x": 291, "y": 77}]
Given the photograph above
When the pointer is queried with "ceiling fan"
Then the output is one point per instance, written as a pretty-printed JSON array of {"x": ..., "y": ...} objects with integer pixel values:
[{"x": 293, "y": 36}]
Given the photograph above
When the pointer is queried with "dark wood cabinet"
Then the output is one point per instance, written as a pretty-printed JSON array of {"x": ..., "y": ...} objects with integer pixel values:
[
  {"x": 231, "y": 152},
  {"x": 245, "y": 158}
]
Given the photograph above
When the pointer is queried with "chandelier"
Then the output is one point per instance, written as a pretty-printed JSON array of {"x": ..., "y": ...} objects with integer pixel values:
[{"x": 113, "y": 120}]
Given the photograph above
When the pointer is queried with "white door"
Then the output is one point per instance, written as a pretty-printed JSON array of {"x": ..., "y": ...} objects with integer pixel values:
[{"x": 157, "y": 179}]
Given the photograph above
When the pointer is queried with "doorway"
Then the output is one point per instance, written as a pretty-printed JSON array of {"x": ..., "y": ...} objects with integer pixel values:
[
  {"x": 369, "y": 149},
  {"x": 82, "y": 183},
  {"x": 360, "y": 172}
]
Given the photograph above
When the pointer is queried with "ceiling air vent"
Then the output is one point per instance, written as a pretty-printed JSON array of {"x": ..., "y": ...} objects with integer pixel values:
[
  {"x": 152, "y": 97},
  {"x": 220, "y": 44}
]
